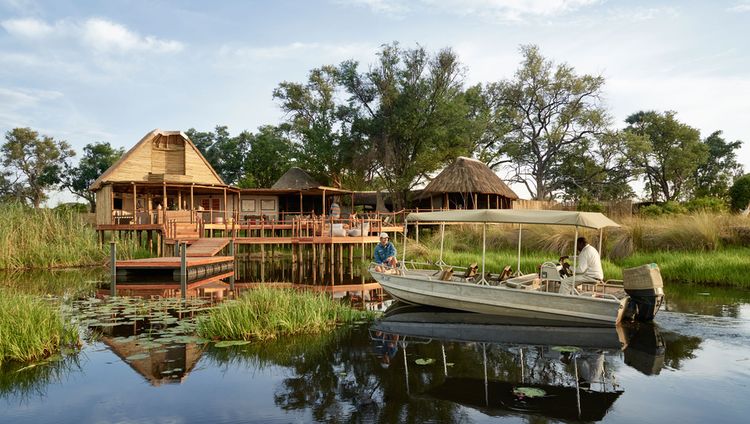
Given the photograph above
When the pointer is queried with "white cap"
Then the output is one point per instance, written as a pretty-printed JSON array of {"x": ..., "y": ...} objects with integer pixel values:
[{"x": 383, "y": 235}]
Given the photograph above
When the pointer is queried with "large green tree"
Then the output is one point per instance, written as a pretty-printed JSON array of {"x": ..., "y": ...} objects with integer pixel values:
[
  {"x": 97, "y": 158},
  {"x": 224, "y": 152},
  {"x": 270, "y": 156},
  {"x": 599, "y": 172},
  {"x": 715, "y": 174},
  {"x": 666, "y": 152},
  {"x": 36, "y": 160},
  {"x": 321, "y": 125},
  {"x": 414, "y": 111},
  {"x": 739, "y": 193},
  {"x": 550, "y": 112}
]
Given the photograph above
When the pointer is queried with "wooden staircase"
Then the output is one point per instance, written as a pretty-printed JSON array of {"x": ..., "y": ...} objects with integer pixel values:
[
  {"x": 186, "y": 231},
  {"x": 207, "y": 246}
]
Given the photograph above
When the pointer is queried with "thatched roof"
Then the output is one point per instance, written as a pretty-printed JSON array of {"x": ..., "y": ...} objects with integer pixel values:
[
  {"x": 296, "y": 179},
  {"x": 467, "y": 175}
]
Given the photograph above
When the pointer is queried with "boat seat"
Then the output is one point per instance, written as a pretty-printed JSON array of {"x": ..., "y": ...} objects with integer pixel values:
[
  {"x": 446, "y": 274},
  {"x": 525, "y": 282}
]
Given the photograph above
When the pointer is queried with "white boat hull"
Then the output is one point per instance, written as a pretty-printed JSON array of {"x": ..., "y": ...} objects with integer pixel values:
[{"x": 418, "y": 288}]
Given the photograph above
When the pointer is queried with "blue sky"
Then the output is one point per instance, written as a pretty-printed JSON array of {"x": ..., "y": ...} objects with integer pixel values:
[{"x": 113, "y": 70}]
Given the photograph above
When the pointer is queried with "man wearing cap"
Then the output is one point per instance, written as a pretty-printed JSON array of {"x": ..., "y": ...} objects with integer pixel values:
[{"x": 385, "y": 254}]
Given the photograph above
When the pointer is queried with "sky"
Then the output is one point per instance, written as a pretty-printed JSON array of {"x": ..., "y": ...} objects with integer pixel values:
[{"x": 90, "y": 71}]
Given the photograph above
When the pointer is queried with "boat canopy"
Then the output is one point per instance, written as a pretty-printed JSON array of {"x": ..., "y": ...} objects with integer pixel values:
[{"x": 515, "y": 216}]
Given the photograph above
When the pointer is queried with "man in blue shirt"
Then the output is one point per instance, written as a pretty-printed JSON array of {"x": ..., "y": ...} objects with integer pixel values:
[{"x": 385, "y": 254}]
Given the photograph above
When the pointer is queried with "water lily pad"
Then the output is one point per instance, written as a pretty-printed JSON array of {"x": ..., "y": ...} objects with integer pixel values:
[
  {"x": 227, "y": 343},
  {"x": 138, "y": 357},
  {"x": 566, "y": 349},
  {"x": 423, "y": 361},
  {"x": 529, "y": 392}
]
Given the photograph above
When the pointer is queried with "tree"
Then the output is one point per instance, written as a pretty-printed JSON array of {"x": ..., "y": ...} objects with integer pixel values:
[
  {"x": 38, "y": 162},
  {"x": 714, "y": 175},
  {"x": 550, "y": 111},
  {"x": 223, "y": 152},
  {"x": 270, "y": 156},
  {"x": 600, "y": 171},
  {"x": 97, "y": 158},
  {"x": 322, "y": 127},
  {"x": 413, "y": 109},
  {"x": 739, "y": 193},
  {"x": 666, "y": 151}
]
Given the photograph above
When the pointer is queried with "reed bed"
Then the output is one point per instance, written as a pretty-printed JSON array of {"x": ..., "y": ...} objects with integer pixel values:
[
  {"x": 32, "y": 328},
  {"x": 267, "y": 313},
  {"x": 46, "y": 238}
]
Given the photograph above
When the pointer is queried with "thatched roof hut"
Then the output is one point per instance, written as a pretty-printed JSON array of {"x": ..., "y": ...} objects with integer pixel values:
[
  {"x": 296, "y": 179},
  {"x": 467, "y": 184}
]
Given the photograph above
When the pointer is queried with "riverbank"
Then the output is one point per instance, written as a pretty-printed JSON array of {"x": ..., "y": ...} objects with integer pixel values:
[
  {"x": 48, "y": 238},
  {"x": 709, "y": 249}
]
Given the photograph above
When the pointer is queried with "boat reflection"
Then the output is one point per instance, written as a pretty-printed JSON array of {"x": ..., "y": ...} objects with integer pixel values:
[{"x": 527, "y": 367}]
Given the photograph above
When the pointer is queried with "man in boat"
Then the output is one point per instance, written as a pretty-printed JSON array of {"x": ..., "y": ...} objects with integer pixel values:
[
  {"x": 588, "y": 267},
  {"x": 385, "y": 254}
]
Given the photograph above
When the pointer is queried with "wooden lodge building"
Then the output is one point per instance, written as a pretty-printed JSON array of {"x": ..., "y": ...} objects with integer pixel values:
[{"x": 163, "y": 186}]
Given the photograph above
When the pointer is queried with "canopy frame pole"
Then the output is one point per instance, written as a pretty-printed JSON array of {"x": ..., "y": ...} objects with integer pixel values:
[
  {"x": 518, "y": 265},
  {"x": 442, "y": 239},
  {"x": 403, "y": 254},
  {"x": 601, "y": 234},
  {"x": 482, "y": 280},
  {"x": 575, "y": 258}
]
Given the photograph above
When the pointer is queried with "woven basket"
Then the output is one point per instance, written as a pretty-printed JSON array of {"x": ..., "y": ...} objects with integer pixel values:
[{"x": 642, "y": 277}]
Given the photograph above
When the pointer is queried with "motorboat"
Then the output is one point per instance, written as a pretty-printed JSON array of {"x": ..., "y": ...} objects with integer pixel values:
[{"x": 537, "y": 295}]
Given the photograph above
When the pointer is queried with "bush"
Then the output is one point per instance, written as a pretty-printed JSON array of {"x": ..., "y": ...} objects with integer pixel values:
[
  {"x": 586, "y": 205},
  {"x": 651, "y": 210},
  {"x": 739, "y": 193},
  {"x": 706, "y": 204}
]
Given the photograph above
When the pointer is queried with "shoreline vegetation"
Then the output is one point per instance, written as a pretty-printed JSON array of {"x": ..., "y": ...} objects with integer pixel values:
[
  {"x": 53, "y": 238},
  {"x": 703, "y": 248},
  {"x": 32, "y": 328},
  {"x": 266, "y": 313}
]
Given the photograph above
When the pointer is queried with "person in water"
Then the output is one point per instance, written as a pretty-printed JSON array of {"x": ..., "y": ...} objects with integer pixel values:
[{"x": 385, "y": 254}]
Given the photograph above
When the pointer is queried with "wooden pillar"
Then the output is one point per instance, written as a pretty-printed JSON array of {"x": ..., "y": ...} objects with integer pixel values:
[
  {"x": 225, "y": 206},
  {"x": 488, "y": 202},
  {"x": 164, "y": 199},
  {"x": 475, "y": 200},
  {"x": 446, "y": 205},
  {"x": 324, "y": 203},
  {"x": 179, "y": 199},
  {"x": 497, "y": 201},
  {"x": 134, "y": 204}
]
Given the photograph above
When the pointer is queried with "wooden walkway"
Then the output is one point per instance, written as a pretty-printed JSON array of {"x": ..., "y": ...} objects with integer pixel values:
[
  {"x": 207, "y": 247},
  {"x": 170, "y": 262}
]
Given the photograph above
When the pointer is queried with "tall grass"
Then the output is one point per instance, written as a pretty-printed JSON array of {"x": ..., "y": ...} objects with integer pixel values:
[
  {"x": 45, "y": 238},
  {"x": 31, "y": 328},
  {"x": 266, "y": 313}
]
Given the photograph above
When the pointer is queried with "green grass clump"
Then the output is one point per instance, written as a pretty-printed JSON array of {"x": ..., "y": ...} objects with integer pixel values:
[
  {"x": 31, "y": 328},
  {"x": 47, "y": 238},
  {"x": 267, "y": 313}
]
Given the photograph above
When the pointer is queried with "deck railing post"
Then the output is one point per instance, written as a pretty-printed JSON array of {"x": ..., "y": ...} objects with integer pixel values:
[
  {"x": 183, "y": 270},
  {"x": 234, "y": 261},
  {"x": 113, "y": 266}
]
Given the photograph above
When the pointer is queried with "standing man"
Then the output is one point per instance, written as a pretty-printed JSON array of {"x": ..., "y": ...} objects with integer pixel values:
[
  {"x": 588, "y": 267},
  {"x": 385, "y": 254}
]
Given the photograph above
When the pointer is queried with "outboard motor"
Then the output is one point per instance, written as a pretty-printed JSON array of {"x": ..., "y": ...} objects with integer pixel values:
[{"x": 646, "y": 290}]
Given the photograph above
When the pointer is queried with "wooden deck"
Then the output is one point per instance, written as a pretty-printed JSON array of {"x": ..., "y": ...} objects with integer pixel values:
[
  {"x": 207, "y": 247},
  {"x": 171, "y": 262}
]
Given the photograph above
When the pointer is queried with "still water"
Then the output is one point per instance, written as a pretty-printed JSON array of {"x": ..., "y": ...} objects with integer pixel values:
[{"x": 140, "y": 363}]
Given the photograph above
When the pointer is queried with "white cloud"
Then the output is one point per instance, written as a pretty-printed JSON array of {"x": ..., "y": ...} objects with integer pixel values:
[
  {"x": 106, "y": 36},
  {"x": 388, "y": 7},
  {"x": 740, "y": 7},
  {"x": 322, "y": 52},
  {"x": 506, "y": 10},
  {"x": 14, "y": 99},
  {"x": 27, "y": 28},
  {"x": 640, "y": 14},
  {"x": 100, "y": 35}
]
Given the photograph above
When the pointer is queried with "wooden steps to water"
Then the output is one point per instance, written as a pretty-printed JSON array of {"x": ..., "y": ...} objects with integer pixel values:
[{"x": 203, "y": 247}]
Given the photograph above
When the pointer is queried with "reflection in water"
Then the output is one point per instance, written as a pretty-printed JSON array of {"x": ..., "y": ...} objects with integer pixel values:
[{"x": 515, "y": 368}]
